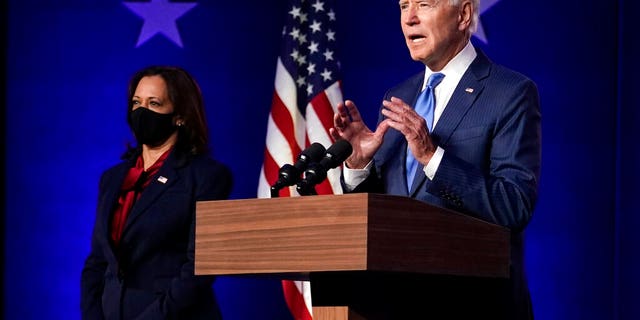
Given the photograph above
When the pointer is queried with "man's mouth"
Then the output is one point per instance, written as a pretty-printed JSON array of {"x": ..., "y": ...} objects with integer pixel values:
[{"x": 416, "y": 38}]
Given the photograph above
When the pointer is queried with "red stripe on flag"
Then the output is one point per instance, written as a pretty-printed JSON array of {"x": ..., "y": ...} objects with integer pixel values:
[
  {"x": 295, "y": 301},
  {"x": 284, "y": 122},
  {"x": 324, "y": 110},
  {"x": 324, "y": 187}
]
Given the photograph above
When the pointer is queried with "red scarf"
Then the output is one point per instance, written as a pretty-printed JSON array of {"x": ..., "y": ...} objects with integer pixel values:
[{"x": 136, "y": 180}]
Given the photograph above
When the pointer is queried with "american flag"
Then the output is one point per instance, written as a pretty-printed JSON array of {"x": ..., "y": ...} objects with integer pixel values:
[{"x": 307, "y": 92}]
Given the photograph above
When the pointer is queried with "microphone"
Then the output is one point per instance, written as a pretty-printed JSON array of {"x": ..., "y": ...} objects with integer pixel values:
[
  {"x": 317, "y": 172},
  {"x": 289, "y": 175}
]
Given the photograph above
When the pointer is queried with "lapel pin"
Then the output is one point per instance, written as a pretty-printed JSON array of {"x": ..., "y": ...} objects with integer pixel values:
[
  {"x": 469, "y": 90},
  {"x": 162, "y": 179}
]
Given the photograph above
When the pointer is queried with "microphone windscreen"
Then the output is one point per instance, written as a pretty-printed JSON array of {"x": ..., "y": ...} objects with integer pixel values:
[
  {"x": 313, "y": 153},
  {"x": 337, "y": 153}
]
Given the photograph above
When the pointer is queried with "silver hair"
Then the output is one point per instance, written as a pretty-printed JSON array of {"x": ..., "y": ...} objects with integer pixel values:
[{"x": 476, "y": 13}]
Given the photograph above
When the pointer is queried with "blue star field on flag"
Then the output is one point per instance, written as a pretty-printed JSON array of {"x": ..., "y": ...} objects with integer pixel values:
[{"x": 309, "y": 50}]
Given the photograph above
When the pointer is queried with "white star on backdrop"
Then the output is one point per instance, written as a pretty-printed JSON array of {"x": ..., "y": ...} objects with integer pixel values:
[
  {"x": 160, "y": 18},
  {"x": 484, "y": 6}
]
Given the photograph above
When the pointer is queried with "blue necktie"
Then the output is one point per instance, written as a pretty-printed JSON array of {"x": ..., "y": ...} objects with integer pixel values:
[{"x": 425, "y": 106}]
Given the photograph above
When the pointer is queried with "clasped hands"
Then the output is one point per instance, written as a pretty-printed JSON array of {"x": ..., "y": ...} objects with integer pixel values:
[{"x": 348, "y": 125}]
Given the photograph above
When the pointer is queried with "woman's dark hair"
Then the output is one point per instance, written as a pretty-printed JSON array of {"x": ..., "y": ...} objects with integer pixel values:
[{"x": 188, "y": 105}]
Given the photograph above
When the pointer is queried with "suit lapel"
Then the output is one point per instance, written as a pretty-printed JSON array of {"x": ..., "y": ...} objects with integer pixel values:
[
  {"x": 465, "y": 94},
  {"x": 394, "y": 165},
  {"x": 395, "y": 143},
  {"x": 166, "y": 177}
]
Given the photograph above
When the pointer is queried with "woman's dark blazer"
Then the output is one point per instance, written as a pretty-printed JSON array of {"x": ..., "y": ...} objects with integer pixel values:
[{"x": 151, "y": 275}]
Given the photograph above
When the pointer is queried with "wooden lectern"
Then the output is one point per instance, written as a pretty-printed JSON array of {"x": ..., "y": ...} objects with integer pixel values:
[{"x": 317, "y": 237}]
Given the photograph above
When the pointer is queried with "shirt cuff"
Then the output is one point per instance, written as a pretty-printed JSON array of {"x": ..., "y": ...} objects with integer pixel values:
[
  {"x": 431, "y": 167},
  {"x": 354, "y": 177}
]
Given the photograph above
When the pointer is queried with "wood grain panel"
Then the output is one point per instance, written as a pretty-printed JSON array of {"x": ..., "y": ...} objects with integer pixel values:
[
  {"x": 350, "y": 232},
  {"x": 281, "y": 235}
]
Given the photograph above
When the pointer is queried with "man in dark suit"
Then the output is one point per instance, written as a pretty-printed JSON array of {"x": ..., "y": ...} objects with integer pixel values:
[{"x": 477, "y": 151}]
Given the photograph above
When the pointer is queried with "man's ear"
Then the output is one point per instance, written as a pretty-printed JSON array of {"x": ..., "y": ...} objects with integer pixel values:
[{"x": 465, "y": 14}]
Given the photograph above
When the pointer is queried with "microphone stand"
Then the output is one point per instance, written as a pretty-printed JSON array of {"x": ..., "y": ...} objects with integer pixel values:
[
  {"x": 275, "y": 191},
  {"x": 306, "y": 189}
]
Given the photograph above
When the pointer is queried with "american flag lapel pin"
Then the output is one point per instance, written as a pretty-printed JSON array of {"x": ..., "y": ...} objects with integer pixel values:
[
  {"x": 469, "y": 90},
  {"x": 162, "y": 179}
]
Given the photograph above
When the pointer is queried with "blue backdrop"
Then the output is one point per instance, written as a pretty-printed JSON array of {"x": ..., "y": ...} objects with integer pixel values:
[{"x": 67, "y": 66}]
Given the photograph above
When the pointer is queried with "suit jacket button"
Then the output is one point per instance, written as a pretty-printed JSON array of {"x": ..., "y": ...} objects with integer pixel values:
[{"x": 120, "y": 274}]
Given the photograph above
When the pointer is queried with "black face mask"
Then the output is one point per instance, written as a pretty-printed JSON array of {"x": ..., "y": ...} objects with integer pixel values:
[{"x": 151, "y": 128}]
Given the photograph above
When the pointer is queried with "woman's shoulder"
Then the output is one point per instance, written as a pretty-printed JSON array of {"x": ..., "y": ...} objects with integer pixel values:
[
  {"x": 114, "y": 174},
  {"x": 122, "y": 165},
  {"x": 127, "y": 160},
  {"x": 206, "y": 163},
  {"x": 212, "y": 177}
]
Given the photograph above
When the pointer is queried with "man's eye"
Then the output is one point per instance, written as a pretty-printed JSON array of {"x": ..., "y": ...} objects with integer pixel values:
[{"x": 427, "y": 4}]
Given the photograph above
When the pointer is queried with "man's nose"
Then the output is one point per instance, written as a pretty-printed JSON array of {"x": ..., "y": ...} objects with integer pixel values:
[{"x": 410, "y": 16}]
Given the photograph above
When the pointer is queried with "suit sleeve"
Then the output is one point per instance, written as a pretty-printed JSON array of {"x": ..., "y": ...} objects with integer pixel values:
[
  {"x": 92, "y": 278},
  {"x": 506, "y": 194},
  {"x": 185, "y": 290}
]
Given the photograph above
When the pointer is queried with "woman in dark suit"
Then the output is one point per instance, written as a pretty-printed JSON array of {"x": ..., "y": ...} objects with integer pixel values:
[{"x": 141, "y": 264}]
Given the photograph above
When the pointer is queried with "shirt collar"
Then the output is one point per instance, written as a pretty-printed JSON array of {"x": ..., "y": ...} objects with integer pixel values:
[{"x": 455, "y": 68}]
